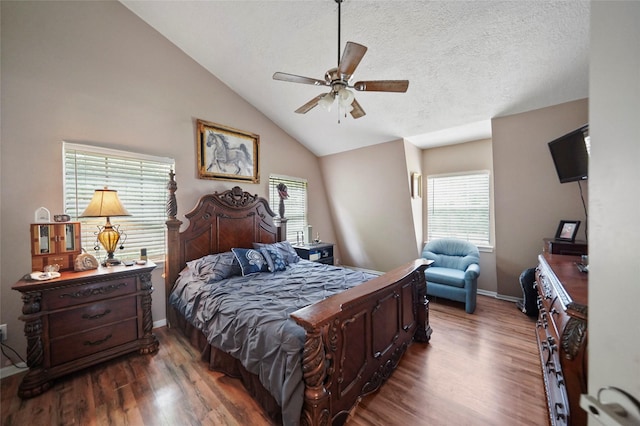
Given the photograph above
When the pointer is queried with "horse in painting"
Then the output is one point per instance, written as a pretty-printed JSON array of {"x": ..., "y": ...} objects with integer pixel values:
[{"x": 225, "y": 157}]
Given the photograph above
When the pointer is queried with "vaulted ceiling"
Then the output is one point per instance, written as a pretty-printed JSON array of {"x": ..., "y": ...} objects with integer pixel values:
[{"x": 467, "y": 61}]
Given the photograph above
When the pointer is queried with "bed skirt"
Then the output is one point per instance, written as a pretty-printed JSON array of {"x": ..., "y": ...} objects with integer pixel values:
[{"x": 222, "y": 362}]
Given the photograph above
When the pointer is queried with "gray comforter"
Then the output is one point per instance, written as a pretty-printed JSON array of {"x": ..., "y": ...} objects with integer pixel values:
[{"x": 248, "y": 317}]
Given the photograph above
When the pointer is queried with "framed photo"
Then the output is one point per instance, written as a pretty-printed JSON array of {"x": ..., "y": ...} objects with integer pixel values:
[
  {"x": 226, "y": 153},
  {"x": 416, "y": 185},
  {"x": 567, "y": 230}
]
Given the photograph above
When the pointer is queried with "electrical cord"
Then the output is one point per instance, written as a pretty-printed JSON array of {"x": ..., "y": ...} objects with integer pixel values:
[
  {"x": 2, "y": 346},
  {"x": 586, "y": 214}
]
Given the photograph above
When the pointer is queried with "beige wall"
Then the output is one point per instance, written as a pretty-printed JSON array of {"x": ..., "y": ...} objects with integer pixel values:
[
  {"x": 368, "y": 191},
  {"x": 470, "y": 156},
  {"x": 530, "y": 201},
  {"x": 94, "y": 72},
  {"x": 414, "y": 165}
]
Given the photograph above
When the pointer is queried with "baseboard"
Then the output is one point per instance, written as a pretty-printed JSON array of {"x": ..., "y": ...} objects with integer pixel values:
[
  {"x": 160, "y": 323},
  {"x": 12, "y": 369},
  {"x": 498, "y": 296}
]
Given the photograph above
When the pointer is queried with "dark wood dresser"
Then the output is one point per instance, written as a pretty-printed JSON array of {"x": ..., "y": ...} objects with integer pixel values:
[
  {"x": 561, "y": 332},
  {"x": 84, "y": 318}
]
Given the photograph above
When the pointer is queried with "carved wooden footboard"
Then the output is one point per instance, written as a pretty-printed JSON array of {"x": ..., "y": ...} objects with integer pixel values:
[{"x": 355, "y": 340}]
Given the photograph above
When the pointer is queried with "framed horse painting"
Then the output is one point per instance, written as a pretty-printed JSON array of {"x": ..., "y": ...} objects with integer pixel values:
[{"x": 226, "y": 153}]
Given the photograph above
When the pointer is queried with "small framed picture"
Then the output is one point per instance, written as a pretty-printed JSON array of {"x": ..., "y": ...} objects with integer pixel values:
[{"x": 567, "y": 230}]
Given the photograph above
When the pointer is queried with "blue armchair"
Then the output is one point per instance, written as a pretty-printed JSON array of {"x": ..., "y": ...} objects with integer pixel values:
[{"x": 454, "y": 272}]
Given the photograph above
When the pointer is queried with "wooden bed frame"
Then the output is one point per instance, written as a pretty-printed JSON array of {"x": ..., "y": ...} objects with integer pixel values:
[{"x": 354, "y": 340}]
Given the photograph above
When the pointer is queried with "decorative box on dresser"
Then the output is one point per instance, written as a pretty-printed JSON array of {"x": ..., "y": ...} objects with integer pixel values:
[
  {"x": 84, "y": 318},
  {"x": 54, "y": 243},
  {"x": 561, "y": 332}
]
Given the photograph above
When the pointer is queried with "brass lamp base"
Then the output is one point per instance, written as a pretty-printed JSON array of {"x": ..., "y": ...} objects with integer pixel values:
[
  {"x": 111, "y": 262},
  {"x": 109, "y": 237}
]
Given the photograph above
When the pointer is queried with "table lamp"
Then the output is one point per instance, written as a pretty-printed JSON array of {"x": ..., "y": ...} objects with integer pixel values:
[{"x": 105, "y": 203}]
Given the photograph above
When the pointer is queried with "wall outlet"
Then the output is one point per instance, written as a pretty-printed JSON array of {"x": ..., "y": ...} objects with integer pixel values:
[{"x": 3, "y": 331}]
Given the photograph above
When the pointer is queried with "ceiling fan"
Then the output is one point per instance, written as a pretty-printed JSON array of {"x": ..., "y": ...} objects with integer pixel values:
[{"x": 339, "y": 81}]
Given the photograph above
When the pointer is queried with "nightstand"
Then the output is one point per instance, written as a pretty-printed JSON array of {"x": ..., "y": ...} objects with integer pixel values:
[
  {"x": 320, "y": 252},
  {"x": 84, "y": 318}
]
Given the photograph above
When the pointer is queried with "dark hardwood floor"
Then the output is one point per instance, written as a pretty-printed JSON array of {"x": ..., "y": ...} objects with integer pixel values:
[{"x": 480, "y": 369}]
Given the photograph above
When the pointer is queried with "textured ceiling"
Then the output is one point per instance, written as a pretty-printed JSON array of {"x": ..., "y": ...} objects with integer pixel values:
[{"x": 467, "y": 61}]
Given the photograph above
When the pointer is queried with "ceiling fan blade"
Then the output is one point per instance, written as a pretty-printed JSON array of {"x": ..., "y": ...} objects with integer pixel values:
[
  {"x": 382, "y": 86},
  {"x": 299, "y": 79},
  {"x": 357, "y": 110},
  {"x": 309, "y": 105},
  {"x": 351, "y": 57}
]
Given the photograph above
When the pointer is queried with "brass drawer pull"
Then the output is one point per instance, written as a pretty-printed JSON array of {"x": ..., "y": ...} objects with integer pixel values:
[
  {"x": 97, "y": 342},
  {"x": 97, "y": 316}
]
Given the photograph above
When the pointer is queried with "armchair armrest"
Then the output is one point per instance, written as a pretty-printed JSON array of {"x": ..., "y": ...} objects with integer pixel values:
[{"x": 472, "y": 272}]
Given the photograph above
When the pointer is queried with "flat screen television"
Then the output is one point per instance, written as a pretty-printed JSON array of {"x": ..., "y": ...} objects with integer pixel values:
[{"x": 570, "y": 155}]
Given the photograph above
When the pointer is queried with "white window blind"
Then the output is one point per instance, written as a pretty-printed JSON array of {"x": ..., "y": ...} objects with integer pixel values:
[
  {"x": 141, "y": 182},
  {"x": 458, "y": 207},
  {"x": 295, "y": 205}
]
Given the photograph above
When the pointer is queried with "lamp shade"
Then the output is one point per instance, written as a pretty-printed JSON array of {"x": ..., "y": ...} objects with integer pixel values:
[{"x": 105, "y": 203}]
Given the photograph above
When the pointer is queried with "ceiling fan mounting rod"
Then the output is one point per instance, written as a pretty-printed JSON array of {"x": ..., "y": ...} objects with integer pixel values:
[{"x": 339, "y": 21}]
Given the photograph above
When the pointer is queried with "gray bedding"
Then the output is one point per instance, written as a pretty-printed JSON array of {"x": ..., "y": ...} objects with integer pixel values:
[{"x": 248, "y": 317}]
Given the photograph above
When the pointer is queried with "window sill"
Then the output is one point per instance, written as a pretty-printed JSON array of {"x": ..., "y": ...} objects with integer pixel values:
[{"x": 485, "y": 249}]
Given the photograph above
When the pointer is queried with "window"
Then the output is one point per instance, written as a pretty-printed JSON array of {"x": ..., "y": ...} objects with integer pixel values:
[
  {"x": 295, "y": 205},
  {"x": 458, "y": 207},
  {"x": 141, "y": 182}
]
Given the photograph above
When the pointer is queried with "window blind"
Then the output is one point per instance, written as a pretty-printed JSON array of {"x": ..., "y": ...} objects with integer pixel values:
[
  {"x": 458, "y": 206},
  {"x": 295, "y": 205},
  {"x": 141, "y": 182}
]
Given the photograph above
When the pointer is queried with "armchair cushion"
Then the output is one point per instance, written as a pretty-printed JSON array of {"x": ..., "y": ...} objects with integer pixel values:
[{"x": 448, "y": 276}]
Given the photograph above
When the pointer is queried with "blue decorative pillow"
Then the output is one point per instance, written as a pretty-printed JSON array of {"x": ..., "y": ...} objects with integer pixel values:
[
  {"x": 284, "y": 248},
  {"x": 274, "y": 259},
  {"x": 214, "y": 267},
  {"x": 251, "y": 261}
]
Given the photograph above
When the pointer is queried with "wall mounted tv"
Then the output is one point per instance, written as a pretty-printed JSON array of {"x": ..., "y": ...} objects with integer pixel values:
[{"x": 570, "y": 155}]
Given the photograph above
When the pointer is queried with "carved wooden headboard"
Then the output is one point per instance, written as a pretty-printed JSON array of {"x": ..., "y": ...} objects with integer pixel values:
[{"x": 218, "y": 222}]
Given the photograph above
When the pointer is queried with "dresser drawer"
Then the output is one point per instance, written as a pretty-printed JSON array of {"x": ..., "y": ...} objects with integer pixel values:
[
  {"x": 64, "y": 261},
  {"x": 69, "y": 296},
  {"x": 91, "y": 316},
  {"x": 93, "y": 341}
]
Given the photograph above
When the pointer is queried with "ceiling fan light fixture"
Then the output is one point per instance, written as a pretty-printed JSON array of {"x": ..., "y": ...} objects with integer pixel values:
[
  {"x": 326, "y": 100},
  {"x": 346, "y": 109},
  {"x": 345, "y": 97}
]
